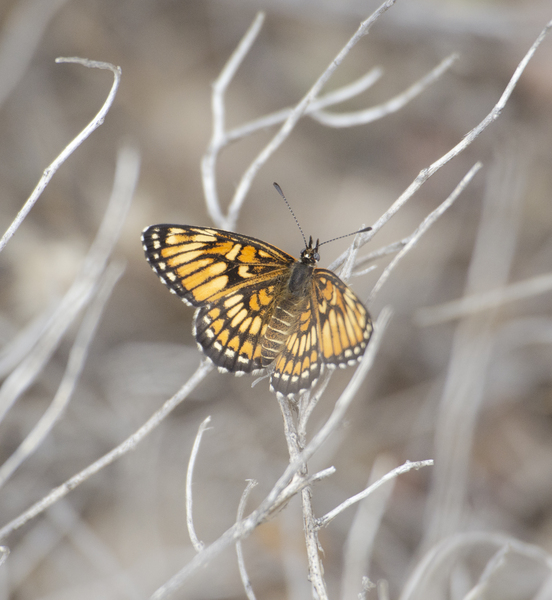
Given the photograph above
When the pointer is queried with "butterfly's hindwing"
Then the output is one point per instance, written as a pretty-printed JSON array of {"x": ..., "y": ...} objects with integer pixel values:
[
  {"x": 231, "y": 331},
  {"x": 298, "y": 365},
  {"x": 343, "y": 322}
]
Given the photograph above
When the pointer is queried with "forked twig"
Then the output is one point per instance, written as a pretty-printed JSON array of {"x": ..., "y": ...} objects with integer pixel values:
[
  {"x": 284, "y": 131},
  {"x": 423, "y": 227},
  {"x": 368, "y": 115},
  {"x": 245, "y": 527},
  {"x": 426, "y": 173}
]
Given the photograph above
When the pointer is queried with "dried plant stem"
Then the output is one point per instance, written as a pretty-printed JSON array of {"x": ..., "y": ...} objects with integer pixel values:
[
  {"x": 475, "y": 303},
  {"x": 251, "y": 483},
  {"x": 129, "y": 444},
  {"x": 247, "y": 178},
  {"x": 422, "y": 228},
  {"x": 368, "y": 115},
  {"x": 70, "y": 148},
  {"x": 425, "y": 174},
  {"x": 295, "y": 445},
  {"x": 83, "y": 286},
  {"x": 75, "y": 364},
  {"x": 441, "y": 557},
  {"x": 209, "y": 161},
  {"x": 407, "y": 466},
  {"x": 338, "y": 96},
  {"x": 197, "y": 544}
]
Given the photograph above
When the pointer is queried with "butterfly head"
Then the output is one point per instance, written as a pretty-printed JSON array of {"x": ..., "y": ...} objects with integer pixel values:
[{"x": 310, "y": 255}]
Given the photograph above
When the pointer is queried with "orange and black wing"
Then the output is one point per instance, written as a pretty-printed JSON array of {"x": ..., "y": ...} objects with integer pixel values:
[
  {"x": 333, "y": 330},
  {"x": 298, "y": 366},
  {"x": 203, "y": 265},
  {"x": 344, "y": 324},
  {"x": 232, "y": 279}
]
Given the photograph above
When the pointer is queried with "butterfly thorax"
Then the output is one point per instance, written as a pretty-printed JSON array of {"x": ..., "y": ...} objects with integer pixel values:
[{"x": 302, "y": 271}]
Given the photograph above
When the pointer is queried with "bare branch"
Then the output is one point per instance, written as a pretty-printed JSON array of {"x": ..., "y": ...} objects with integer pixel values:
[
  {"x": 79, "y": 293},
  {"x": 296, "y": 114},
  {"x": 459, "y": 545},
  {"x": 70, "y": 148},
  {"x": 129, "y": 444},
  {"x": 316, "y": 570},
  {"x": 251, "y": 483},
  {"x": 469, "y": 305},
  {"x": 197, "y": 544},
  {"x": 425, "y": 174},
  {"x": 362, "y": 117},
  {"x": 22, "y": 31},
  {"x": 407, "y": 466},
  {"x": 337, "y": 96},
  {"x": 75, "y": 364},
  {"x": 423, "y": 227},
  {"x": 217, "y": 142}
]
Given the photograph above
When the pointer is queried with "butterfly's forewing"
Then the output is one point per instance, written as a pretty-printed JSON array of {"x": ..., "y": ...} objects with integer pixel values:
[{"x": 203, "y": 265}]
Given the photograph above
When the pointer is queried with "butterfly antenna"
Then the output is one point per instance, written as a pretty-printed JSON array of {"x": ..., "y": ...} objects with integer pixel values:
[
  {"x": 279, "y": 190},
  {"x": 346, "y": 235}
]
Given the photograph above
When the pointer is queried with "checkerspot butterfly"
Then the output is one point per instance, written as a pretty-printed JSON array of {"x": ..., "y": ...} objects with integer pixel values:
[{"x": 259, "y": 308}]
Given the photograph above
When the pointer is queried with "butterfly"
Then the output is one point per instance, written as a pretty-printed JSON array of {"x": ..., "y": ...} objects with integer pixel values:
[{"x": 259, "y": 308}]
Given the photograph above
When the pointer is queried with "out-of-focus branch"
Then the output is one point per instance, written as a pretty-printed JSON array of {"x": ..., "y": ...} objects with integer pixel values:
[
  {"x": 129, "y": 444},
  {"x": 469, "y": 305},
  {"x": 251, "y": 483},
  {"x": 75, "y": 364},
  {"x": 21, "y": 33},
  {"x": 80, "y": 292},
  {"x": 363, "y": 117},
  {"x": 70, "y": 148}
]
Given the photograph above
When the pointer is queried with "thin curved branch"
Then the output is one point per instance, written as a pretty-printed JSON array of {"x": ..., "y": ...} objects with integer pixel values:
[
  {"x": 129, "y": 444},
  {"x": 196, "y": 543},
  {"x": 208, "y": 163},
  {"x": 70, "y": 148},
  {"x": 368, "y": 115}
]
